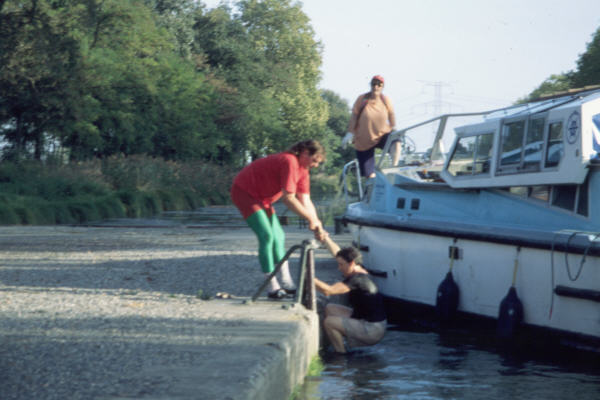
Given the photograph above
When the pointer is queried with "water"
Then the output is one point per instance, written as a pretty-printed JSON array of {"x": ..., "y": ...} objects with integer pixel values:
[{"x": 410, "y": 364}]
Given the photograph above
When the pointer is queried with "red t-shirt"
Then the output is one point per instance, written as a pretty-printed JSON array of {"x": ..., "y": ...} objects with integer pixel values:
[{"x": 265, "y": 178}]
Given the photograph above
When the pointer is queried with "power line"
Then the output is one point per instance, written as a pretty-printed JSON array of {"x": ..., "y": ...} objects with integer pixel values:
[{"x": 437, "y": 103}]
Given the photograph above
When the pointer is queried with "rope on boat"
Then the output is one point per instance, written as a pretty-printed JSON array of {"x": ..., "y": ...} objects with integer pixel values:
[
  {"x": 568, "y": 268},
  {"x": 516, "y": 266},
  {"x": 587, "y": 249}
]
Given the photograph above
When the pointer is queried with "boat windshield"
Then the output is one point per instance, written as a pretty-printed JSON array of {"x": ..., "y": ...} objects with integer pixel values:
[{"x": 429, "y": 142}]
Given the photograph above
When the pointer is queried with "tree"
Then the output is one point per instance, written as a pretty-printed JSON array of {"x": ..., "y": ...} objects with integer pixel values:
[
  {"x": 37, "y": 61},
  {"x": 186, "y": 112},
  {"x": 553, "y": 84},
  {"x": 339, "y": 112},
  {"x": 121, "y": 51},
  {"x": 339, "y": 117},
  {"x": 281, "y": 32},
  {"x": 102, "y": 78},
  {"x": 177, "y": 18},
  {"x": 266, "y": 62},
  {"x": 588, "y": 64},
  {"x": 587, "y": 73},
  {"x": 161, "y": 77}
]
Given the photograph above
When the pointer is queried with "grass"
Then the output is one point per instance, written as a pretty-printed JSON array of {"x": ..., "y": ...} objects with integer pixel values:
[
  {"x": 315, "y": 368},
  {"x": 35, "y": 193}
]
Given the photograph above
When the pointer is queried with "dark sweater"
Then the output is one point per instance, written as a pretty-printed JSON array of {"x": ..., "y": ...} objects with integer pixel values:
[{"x": 365, "y": 299}]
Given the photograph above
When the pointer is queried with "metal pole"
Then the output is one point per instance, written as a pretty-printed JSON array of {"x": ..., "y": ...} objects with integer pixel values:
[
  {"x": 301, "y": 273},
  {"x": 305, "y": 276},
  {"x": 310, "y": 295}
]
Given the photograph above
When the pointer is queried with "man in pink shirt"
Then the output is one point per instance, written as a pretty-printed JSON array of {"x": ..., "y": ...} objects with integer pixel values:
[
  {"x": 371, "y": 123},
  {"x": 263, "y": 182}
]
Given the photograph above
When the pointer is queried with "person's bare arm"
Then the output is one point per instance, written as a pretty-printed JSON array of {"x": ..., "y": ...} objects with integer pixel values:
[
  {"x": 330, "y": 244},
  {"x": 391, "y": 113},
  {"x": 304, "y": 198},
  {"x": 328, "y": 290},
  {"x": 303, "y": 207}
]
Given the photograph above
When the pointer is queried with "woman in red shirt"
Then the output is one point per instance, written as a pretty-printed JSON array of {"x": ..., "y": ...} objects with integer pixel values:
[{"x": 264, "y": 181}]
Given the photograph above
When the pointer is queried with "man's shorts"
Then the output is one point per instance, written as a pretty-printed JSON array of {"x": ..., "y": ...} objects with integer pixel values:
[
  {"x": 366, "y": 158},
  {"x": 359, "y": 332}
]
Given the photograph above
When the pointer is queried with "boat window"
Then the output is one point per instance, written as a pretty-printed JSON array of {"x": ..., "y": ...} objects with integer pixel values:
[
  {"x": 462, "y": 158},
  {"x": 541, "y": 192},
  {"x": 555, "y": 146},
  {"x": 415, "y": 204},
  {"x": 512, "y": 143},
  {"x": 483, "y": 154},
  {"x": 519, "y": 191},
  {"x": 472, "y": 155},
  {"x": 563, "y": 196},
  {"x": 534, "y": 142}
]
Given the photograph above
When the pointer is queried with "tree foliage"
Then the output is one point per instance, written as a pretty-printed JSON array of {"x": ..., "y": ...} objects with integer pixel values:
[
  {"x": 553, "y": 84},
  {"x": 37, "y": 60},
  {"x": 268, "y": 61},
  {"x": 166, "y": 78},
  {"x": 588, "y": 64},
  {"x": 587, "y": 73},
  {"x": 337, "y": 123}
]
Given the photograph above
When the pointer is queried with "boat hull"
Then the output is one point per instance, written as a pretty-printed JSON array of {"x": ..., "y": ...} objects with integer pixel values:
[{"x": 409, "y": 266}]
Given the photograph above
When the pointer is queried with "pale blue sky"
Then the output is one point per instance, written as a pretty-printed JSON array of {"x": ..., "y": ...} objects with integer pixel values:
[{"x": 481, "y": 54}]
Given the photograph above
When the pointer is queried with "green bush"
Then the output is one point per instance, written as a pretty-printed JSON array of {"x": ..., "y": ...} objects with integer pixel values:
[
  {"x": 62, "y": 214},
  {"x": 116, "y": 187},
  {"x": 324, "y": 186},
  {"x": 8, "y": 216}
]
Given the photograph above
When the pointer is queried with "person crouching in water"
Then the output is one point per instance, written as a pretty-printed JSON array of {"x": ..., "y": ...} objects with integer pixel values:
[
  {"x": 261, "y": 183},
  {"x": 362, "y": 324}
]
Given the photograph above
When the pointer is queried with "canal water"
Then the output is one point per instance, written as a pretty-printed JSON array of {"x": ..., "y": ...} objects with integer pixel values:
[
  {"x": 421, "y": 364},
  {"x": 414, "y": 362}
]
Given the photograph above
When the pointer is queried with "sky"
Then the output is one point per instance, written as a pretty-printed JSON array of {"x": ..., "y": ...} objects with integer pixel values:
[{"x": 447, "y": 56}]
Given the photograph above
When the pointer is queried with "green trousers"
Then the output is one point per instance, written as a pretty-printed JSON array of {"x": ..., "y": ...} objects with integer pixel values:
[{"x": 271, "y": 239}]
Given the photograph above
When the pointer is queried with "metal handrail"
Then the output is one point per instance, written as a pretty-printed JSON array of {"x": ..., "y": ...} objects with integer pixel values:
[
  {"x": 305, "y": 292},
  {"x": 353, "y": 163}
]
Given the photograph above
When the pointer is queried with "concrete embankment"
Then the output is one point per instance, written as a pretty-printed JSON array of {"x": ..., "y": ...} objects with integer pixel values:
[{"x": 118, "y": 313}]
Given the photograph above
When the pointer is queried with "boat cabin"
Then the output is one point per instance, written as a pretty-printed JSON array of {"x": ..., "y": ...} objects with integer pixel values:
[
  {"x": 543, "y": 150},
  {"x": 547, "y": 142}
]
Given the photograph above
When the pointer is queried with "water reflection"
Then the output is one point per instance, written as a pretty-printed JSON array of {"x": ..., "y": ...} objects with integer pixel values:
[{"x": 427, "y": 365}]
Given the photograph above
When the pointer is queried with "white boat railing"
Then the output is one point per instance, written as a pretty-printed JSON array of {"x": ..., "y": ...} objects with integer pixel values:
[
  {"x": 408, "y": 147},
  {"x": 436, "y": 153},
  {"x": 345, "y": 182}
]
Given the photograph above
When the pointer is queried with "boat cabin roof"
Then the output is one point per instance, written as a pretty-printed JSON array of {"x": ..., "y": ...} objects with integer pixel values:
[{"x": 545, "y": 142}]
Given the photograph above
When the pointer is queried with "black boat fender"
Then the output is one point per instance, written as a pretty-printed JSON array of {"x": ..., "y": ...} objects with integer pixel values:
[
  {"x": 448, "y": 293},
  {"x": 510, "y": 315}
]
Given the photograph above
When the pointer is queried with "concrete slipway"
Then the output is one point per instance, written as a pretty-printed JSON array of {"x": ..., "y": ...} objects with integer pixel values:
[{"x": 117, "y": 313}]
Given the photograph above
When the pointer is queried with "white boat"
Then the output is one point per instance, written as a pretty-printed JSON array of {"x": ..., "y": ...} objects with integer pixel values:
[{"x": 514, "y": 203}]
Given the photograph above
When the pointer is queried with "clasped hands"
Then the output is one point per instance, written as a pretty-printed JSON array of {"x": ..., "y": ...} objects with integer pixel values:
[{"x": 320, "y": 234}]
